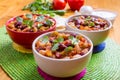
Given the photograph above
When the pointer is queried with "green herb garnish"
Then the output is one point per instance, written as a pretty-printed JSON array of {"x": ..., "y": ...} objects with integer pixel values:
[
  {"x": 29, "y": 16},
  {"x": 56, "y": 43},
  {"x": 40, "y": 18},
  {"x": 74, "y": 40},
  {"x": 68, "y": 49},
  {"x": 88, "y": 18},
  {"x": 19, "y": 19},
  {"x": 91, "y": 24},
  {"x": 59, "y": 40},
  {"x": 45, "y": 39},
  {"x": 59, "y": 12},
  {"x": 39, "y": 25},
  {"x": 86, "y": 22},
  {"x": 49, "y": 22},
  {"x": 29, "y": 23},
  {"x": 55, "y": 47},
  {"x": 43, "y": 7}
]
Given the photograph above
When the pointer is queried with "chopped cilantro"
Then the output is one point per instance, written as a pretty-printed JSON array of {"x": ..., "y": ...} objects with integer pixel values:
[
  {"x": 40, "y": 18},
  {"x": 88, "y": 18},
  {"x": 56, "y": 43},
  {"x": 68, "y": 49},
  {"x": 39, "y": 25},
  {"x": 74, "y": 40},
  {"x": 28, "y": 22},
  {"x": 86, "y": 22},
  {"x": 59, "y": 40},
  {"x": 49, "y": 22},
  {"x": 29, "y": 16},
  {"x": 91, "y": 24},
  {"x": 45, "y": 39},
  {"x": 43, "y": 7},
  {"x": 55, "y": 47},
  {"x": 19, "y": 19}
]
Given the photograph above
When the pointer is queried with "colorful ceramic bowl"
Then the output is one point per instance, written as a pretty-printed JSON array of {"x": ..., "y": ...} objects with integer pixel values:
[
  {"x": 24, "y": 29},
  {"x": 95, "y": 27},
  {"x": 61, "y": 67}
]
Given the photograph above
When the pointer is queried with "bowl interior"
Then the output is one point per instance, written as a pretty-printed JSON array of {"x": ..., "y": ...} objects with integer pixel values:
[
  {"x": 41, "y": 36},
  {"x": 97, "y": 36},
  {"x": 61, "y": 67},
  {"x": 71, "y": 17},
  {"x": 12, "y": 19},
  {"x": 25, "y": 39}
]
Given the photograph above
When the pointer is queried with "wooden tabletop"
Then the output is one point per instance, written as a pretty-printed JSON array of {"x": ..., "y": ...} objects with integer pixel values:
[{"x": 10, "y": 8}]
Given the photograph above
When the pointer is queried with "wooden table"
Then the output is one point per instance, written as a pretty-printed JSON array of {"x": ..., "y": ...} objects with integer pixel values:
[{"x": 10, "y": 8}]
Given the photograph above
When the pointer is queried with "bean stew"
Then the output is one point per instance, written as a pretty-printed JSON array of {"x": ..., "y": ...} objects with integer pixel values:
[
  {"x": 60, "y": 45},
  {"x": 88, "y": 23},
  {"x": 31, "y": 23}
]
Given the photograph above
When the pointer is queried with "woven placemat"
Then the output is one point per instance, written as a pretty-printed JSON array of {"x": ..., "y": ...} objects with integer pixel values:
[{"x": 103, "y": 66}]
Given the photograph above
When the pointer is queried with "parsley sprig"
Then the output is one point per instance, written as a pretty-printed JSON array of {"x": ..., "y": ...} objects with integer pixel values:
[
  {"x": 43, "y": 7},
  {"x": 45, "y": 39},
  {"x": 74, "y": 40},
  {"x": 56, "y": 43},
  {"x": 29, "y": 23}
]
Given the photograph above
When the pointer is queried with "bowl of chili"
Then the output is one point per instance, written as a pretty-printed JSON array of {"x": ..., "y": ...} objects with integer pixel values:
[
  {"x": 95, "y": 27},
  {"x": 62, "y": 53},
  {"x": 25, "y": 28}
]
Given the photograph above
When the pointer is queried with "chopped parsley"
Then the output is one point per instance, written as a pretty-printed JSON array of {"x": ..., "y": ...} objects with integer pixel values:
[
  {"x": 45, "y": 39},
  {"x": 19, "y": 19},
  {"x": 59, "y": 40},
  {"x": 55, "y": 47},
  {"x": 29, "y": 23},
  {"x": 43, "y": 7},
  {"x": 48, "y": 22},
  {"x": 68, "y": 49},
  {"x": 40, "y": 18},
  {"x": 29, "y": 16},
  {"x": 74, "y": 40},
  {"x": 91, "y": 24}
]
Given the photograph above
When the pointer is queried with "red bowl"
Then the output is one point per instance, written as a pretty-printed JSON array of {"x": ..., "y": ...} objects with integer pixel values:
[{"x": 25, "y": 39}]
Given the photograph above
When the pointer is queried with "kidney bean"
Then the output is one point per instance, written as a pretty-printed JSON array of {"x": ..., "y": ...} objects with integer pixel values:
[
  {"x": 77, "y": 22},
  {"x": 17, "y": 24},
  {"x": 102, "y": 24},
  {"x": 61, "y": 47},
  {"x": 58, "y": 55},
  {"x": 73, "y": 34}
]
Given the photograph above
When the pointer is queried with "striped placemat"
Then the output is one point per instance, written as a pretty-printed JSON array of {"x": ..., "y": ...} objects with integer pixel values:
[{"x": 103, "y": 66}]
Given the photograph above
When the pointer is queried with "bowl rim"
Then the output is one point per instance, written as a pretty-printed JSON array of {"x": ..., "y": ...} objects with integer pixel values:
[
  {"x": 11, "y": 19},
  {"x": 54, "y": 59},
  {"x": 108, "y": 21}
]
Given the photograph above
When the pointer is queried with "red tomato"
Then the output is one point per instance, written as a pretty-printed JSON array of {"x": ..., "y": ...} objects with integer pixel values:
[
  {"x": 59, "y": 4},
  {"x": 75, "y": 4}
]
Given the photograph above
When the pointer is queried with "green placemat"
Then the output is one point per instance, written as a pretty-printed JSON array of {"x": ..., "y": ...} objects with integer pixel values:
[{"x": 103, "y": 66}]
